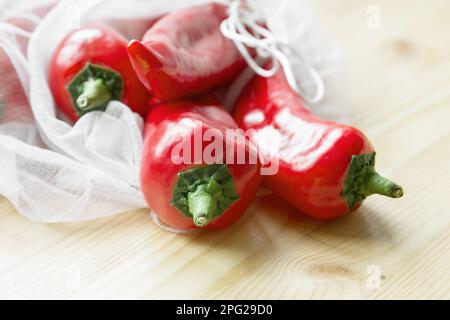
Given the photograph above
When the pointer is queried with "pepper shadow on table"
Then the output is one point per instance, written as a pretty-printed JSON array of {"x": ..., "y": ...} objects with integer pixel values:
[
  {"x": 270, "y": 216},
  {"x": 363, "y": 224}
]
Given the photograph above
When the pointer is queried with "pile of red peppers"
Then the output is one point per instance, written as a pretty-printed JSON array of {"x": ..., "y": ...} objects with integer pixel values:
[{"x": 325, "y": 169}]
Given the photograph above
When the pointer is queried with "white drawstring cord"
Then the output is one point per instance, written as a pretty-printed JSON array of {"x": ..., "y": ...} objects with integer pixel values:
[
  {"x": 290, "y": 76},
  {"x": 8, "y": 14},
  {"x": 262, "y": 40},
  {"x": 243, "y": 29},
  {"x": 8, "y": 44},
  {"x": 12, "y": 29}
]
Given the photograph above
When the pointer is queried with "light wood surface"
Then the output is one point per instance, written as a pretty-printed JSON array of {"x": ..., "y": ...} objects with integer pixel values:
[{"x": 399, "y": 85}]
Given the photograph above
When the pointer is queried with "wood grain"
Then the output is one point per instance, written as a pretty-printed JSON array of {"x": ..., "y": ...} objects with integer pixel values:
[{"x": 399, "y": 86}]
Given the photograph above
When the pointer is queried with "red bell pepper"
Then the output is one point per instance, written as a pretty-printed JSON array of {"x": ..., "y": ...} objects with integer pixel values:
[
  {"x": 197, "y": 192},
  {"x": 326, "y": 169},
  {"x": 91, "y": 67},
  {"x": 184, "y": 53}
]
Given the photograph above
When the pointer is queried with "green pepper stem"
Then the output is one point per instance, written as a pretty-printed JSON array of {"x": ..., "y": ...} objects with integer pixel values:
[
  {"x": 95, "y": 94},
  {"x": 377, "y": 184},
  {"x": 204, "y": 193},
  {"x": 362, "y": 181},
  {"x": 202, "y": 205}
]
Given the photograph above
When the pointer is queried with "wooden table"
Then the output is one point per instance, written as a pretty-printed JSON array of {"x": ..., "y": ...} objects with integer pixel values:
[{"x": 399, "y": 84}]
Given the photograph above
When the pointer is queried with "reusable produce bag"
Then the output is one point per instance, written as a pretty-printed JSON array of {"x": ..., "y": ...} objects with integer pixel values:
[{"x": 53, "y": 171}]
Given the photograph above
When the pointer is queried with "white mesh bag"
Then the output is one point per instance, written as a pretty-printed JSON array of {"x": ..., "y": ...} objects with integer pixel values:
[{"x": 52, "y": 171}]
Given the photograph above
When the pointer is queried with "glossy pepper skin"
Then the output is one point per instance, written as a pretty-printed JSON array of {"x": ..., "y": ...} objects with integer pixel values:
[
  {"x": 89, "y": 68},
  {"x": 184, "y": 53},
  {"x": 326, "y": 169},
  {"x": 182, "y": 193}
]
